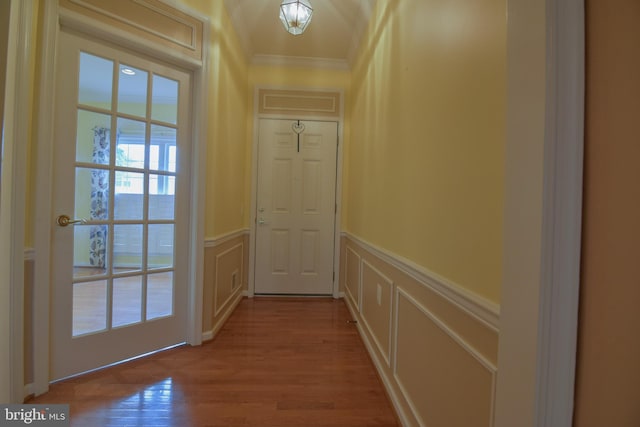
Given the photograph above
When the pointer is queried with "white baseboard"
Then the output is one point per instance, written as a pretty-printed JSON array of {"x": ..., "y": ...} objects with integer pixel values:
[
  {"x": 28, "y": 390},
  {"x": 209, "y": 335}
]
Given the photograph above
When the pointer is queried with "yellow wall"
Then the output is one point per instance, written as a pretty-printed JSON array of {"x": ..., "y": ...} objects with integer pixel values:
[
  {"x": 426, "y": 150},
  {"x": 226, "y": 120}
]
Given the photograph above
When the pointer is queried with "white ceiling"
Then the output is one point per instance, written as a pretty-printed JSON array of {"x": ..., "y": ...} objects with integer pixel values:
[{"x": 331, "y": 39}]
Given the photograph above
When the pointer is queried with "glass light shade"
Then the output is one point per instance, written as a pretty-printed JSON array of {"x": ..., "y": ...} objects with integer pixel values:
[{"x": 295, "y": 15}]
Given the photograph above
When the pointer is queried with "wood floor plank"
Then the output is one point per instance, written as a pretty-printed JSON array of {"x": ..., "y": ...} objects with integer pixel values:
[{"x": 277, "y": 362}]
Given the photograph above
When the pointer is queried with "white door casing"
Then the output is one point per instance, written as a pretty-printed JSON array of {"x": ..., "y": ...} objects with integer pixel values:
[
  {"x": 145, "y": 229},
  {"x": 16, "y": 43},
  {"x": 295, "y": 207}
]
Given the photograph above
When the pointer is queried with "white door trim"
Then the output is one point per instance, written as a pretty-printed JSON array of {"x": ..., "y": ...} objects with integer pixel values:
[
  {"x": 12, "y": 198},
  {"x": 564, "y": 148},
  {"x": 42, "y": 217},
  {"x": 254, "y": 178},
  {"x": 199, "y": 95},
  {"x": 543, "y": 213},
  {"x": 44, "y": 144}
]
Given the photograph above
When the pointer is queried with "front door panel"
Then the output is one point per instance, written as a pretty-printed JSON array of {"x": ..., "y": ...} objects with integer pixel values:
[{"x": 296, "y": 207}]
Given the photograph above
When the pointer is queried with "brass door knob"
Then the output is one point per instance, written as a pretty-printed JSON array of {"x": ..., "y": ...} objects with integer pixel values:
[{"x": 64, "y": 220}]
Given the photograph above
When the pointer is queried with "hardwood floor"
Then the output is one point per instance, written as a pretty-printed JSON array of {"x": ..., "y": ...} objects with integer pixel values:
[{"x": 276, "y": 362}]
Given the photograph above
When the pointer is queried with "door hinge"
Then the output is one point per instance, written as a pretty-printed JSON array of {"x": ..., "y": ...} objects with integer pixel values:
[{"x": 334, "y": 276}]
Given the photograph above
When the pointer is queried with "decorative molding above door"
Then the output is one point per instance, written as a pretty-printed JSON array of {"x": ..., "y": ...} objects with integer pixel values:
[
  {"x": 299, "y": 103},
  {"x": 151, "y": 20}
]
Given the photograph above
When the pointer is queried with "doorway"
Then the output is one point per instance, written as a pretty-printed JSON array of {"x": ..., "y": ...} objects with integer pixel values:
[
  {"x": 295, "y": 207},
  {"x": 120, "y": 188}
]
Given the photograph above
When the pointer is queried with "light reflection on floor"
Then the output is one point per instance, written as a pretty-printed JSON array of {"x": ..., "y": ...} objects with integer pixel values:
[
  {"x": 264, "y": 369},
  {"x": 153, "y": 405}
]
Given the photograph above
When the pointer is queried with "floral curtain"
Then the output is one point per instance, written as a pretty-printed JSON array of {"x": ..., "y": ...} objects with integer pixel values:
[{"x": 99, "y": 198}]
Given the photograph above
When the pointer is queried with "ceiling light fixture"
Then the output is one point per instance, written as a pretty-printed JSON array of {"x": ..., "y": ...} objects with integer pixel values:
[
  {"x": 128, "y": 72},
  {"x": 295, "y": 15}
]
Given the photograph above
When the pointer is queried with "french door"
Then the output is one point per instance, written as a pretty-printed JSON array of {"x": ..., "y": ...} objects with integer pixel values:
[
  {"x": 296, "y": 207},
  {"x": 121, "y": 179}
]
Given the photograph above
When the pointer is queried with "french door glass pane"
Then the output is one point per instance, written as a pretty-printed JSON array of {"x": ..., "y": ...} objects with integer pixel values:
[
  {"x": 130, "y": 149},
  {"x": 127, "y": 301},
  {"x": 160, "y": 249},
  {"x": 132, "y": 91},
  {"x": 129, "y": 196},
  {"x": 161, "y": 185},
  {"x": 92, "y": 194},
  {"x": 90, "y": 244},
  {"x": 127, "y": 247},
  {"x": 89, "y": 307},
  {"x": 161, "y": 197},
  {"x": 163, "y": 142},
  {"x": 93, "y": 137},
  {"x": 159, "y": 295},
  {"x": 164, "y": 100},
  {"x": 96, "y": 77}
]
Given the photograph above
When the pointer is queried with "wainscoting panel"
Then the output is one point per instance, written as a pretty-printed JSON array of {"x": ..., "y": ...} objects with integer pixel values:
[
  {"x": 352, "y": 277},
  {"x": 445, "y": 381},
  {"x": 225, "y": 273},
  {"x": 434, "y": 348},
  {"x": 229, "y": 269},
  {"x": 377, "y": 299}
]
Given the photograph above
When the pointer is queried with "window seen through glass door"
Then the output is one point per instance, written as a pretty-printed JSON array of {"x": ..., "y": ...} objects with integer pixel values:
[{"x": 126, "y": 168}]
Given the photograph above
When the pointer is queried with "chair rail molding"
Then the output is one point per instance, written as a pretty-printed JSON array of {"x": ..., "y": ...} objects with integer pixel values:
[
  {"x": 480, "y": 308},
  {"x": 212, "y": 242}
]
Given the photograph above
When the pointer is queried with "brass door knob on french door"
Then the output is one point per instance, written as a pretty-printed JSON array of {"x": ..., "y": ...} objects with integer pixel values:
[{"x": 65, "y": 220}]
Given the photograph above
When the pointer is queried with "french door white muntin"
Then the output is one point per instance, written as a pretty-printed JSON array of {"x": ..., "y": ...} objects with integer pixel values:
[
  {"x": 121, "y": 168},
  {"x": 296, "y": 207}
]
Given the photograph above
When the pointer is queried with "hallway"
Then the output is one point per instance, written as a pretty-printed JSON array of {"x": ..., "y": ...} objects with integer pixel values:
[{"x": 276, "y": 362}]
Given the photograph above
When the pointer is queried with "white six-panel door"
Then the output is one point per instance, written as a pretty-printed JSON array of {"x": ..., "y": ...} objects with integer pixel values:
[{"x": 296, "y": 207}]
